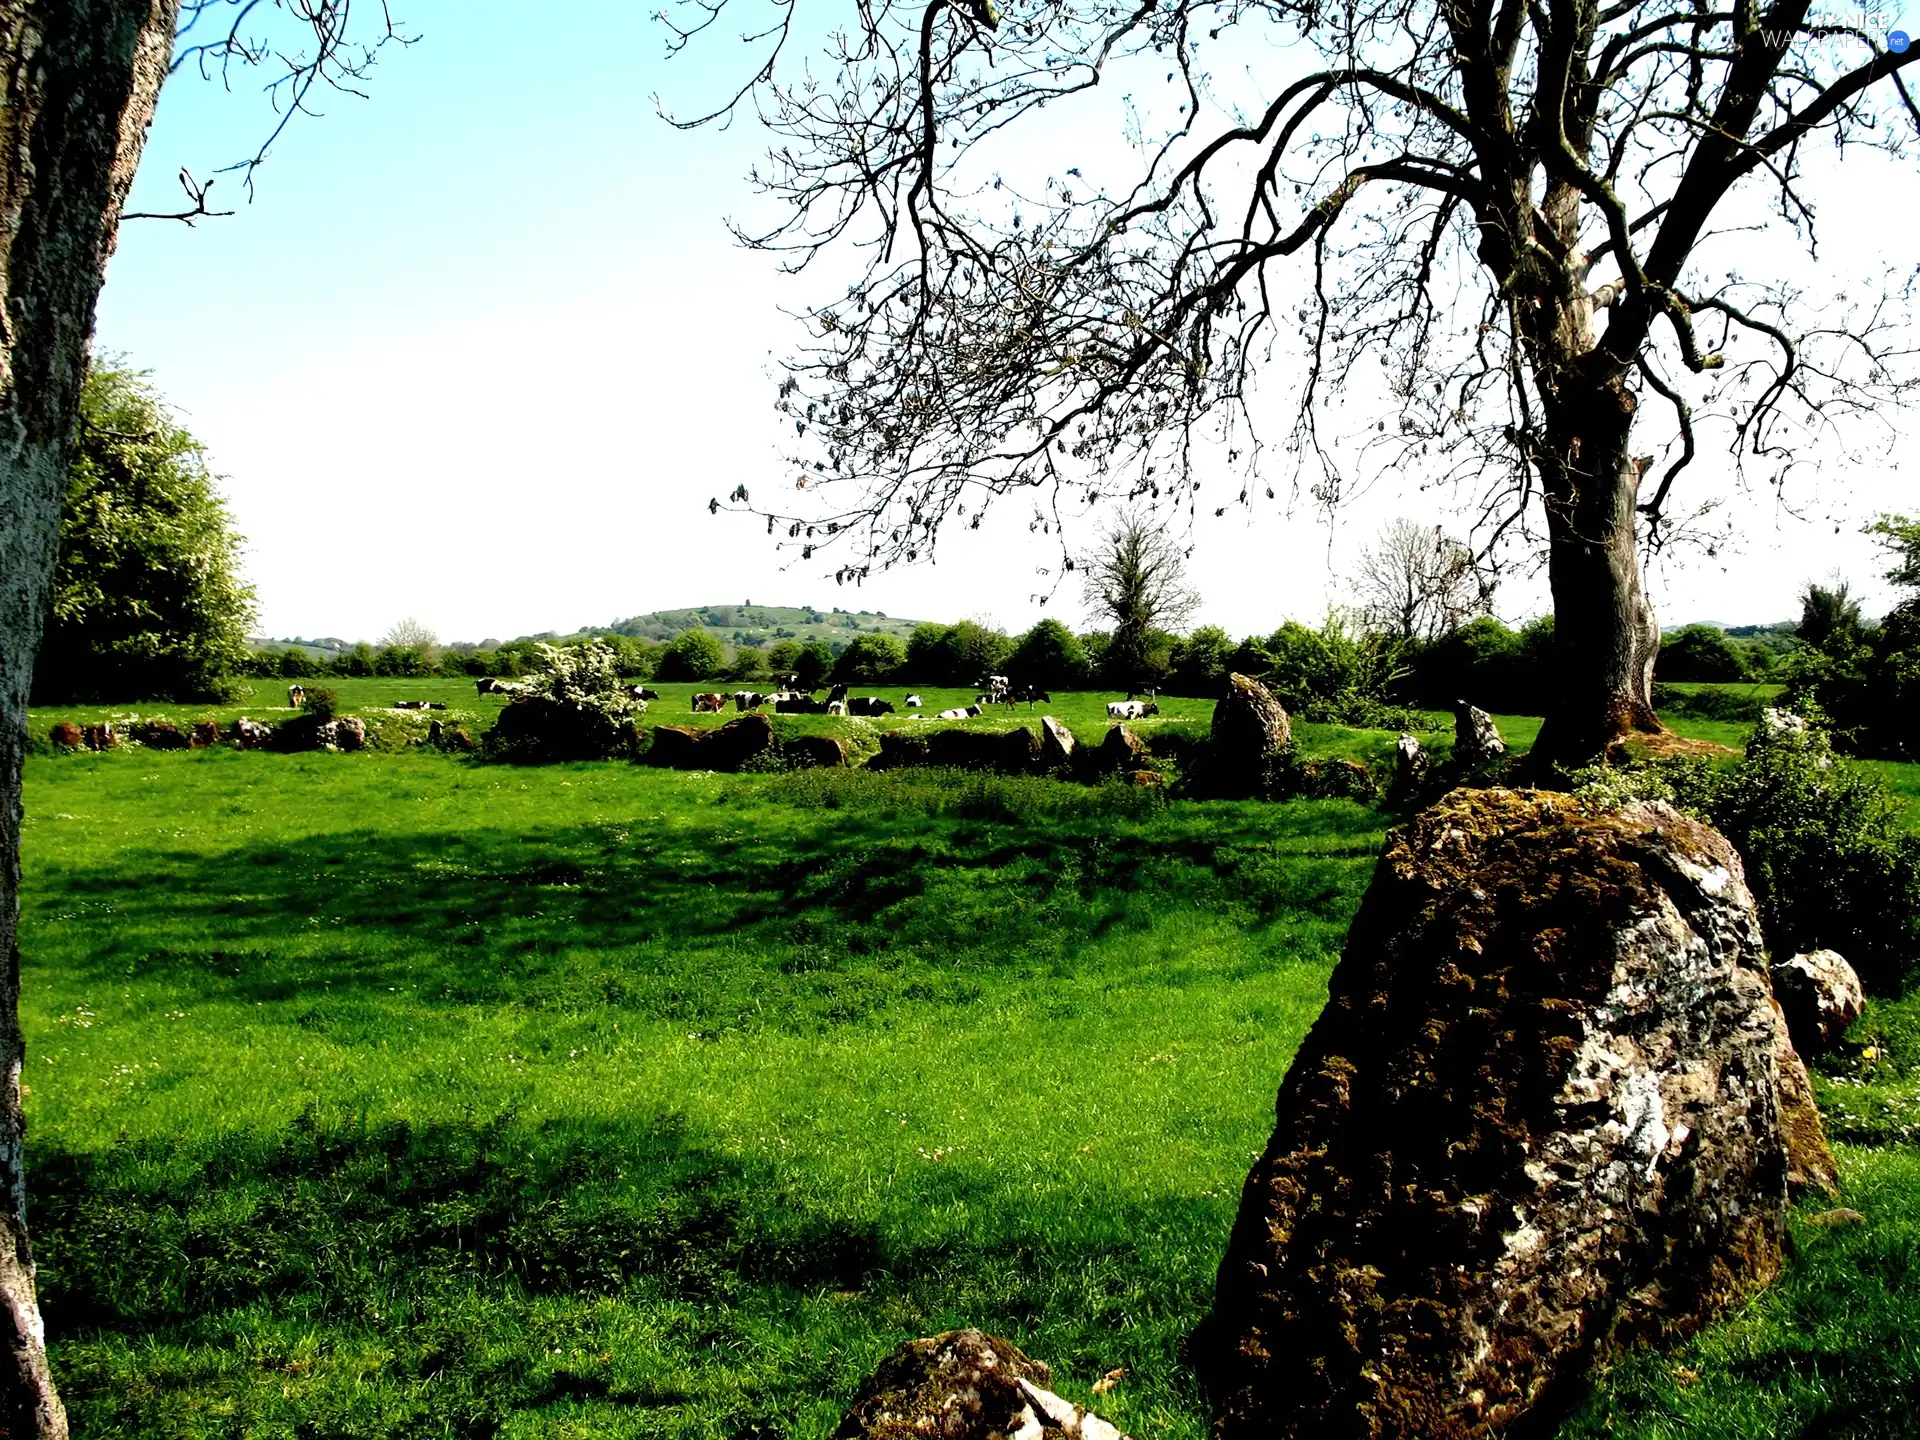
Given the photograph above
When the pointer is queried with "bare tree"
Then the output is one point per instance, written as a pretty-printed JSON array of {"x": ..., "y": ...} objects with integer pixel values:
[
  {"x": 1136, "y": 580},
  {"x": 1417, "y": 582},
  {"x": 81, "y": 80},
  {"x": 1512, "y": 218},
  {"x": 412, "y": 634}
]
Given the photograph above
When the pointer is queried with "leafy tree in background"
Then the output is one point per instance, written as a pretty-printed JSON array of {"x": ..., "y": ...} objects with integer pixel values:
[
  {"x": 970, "y": 651},
  {"x": 783, "y": 657},
  {"x": 749, "y": 662},
  {"x": 1201, "y": 662},
  {"x": 693, "y": 655},
  {"x": 926, "y": 648},
  {"x": 1701, "y": 653},
  {"x": 1049, "y": 656},
  {"x": 871, "y": 659},
  {"x": 147, "y": 596},
  {"x": 415, "y": 635},
  {"x": 814, "y": 664}
]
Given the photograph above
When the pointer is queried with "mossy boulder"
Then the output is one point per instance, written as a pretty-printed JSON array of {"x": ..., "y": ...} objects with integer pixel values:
[
  {"x": 1548, "y": 1112},
  {"x": 965, "y": 1385},
  {"x": 726, "y": 748},
  {"x": 812, "y": 752},
  {"x": 1251, "y": 734}
]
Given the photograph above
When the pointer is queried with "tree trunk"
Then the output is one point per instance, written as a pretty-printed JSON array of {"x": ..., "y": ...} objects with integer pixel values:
[
  {"x": 81, "y": 78},
  {"x": 1605, "y": 636}
]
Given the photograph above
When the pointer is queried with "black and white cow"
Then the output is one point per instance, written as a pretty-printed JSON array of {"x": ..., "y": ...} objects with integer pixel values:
[{"x": 869, "y": 705}]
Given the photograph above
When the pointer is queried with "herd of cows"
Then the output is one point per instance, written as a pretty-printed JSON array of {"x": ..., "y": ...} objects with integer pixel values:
[{"x": 790, "y": 700}]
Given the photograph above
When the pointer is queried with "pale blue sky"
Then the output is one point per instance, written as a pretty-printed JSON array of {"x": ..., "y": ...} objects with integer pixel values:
[{"x": 480, "y": 350}]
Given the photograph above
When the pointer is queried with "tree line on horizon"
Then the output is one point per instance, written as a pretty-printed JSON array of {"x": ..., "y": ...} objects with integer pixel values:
[{"x": 149, "y": 604}]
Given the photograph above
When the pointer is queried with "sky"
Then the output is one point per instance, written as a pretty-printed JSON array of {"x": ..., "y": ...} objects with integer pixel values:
[{"x": 480, "y": 348}]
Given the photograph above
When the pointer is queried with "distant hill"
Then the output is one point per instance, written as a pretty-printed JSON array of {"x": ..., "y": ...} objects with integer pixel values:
[{"x": 763, "y": 624}]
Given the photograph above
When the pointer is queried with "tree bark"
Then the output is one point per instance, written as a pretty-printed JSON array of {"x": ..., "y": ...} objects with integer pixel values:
[
  {"x": 81, "y": 79},
  {"x": 1605, "y": 636}
]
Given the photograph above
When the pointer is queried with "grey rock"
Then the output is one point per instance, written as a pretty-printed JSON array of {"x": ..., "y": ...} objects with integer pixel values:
[
  {"x": 1056, "y": 744},
  {"x": 1821, "y": 997},
  {"x": 1476, "y": 739},
  {"x": 965, "y": 1385}
]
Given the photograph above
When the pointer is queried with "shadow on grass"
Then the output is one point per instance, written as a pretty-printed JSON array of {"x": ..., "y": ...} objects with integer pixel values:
[
  {"x": 819, "y": 918},
  {"x": 448, "y": 1248}
]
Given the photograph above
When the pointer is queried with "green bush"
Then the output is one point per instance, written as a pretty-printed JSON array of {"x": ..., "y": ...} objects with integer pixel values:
[
  {"x": 1700, "y": 653},
  {"x": 320, "y": 702},
  {"x": 871, "y": 659},
  {"x": 1827, "y": 853},
  {"x": 693, "y": 655},
  {"x": 1338, "y": 674},
  {"x": 1050, "y": 656},
  {"x": 575, "y": 708}
]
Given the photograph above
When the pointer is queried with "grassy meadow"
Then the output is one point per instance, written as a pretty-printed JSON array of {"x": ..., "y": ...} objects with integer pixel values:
[{"x": 403, "y": 1095}]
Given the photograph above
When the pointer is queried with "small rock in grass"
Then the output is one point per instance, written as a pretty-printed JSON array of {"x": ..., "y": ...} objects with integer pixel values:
[
  {"x": 1838, "y": 1218},
  {"x": 965, "y": 1385}
]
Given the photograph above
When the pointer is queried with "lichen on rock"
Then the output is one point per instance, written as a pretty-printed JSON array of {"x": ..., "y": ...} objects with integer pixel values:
[
  {"x": 965, "y": 1385},
  {"x": 1542, "y": 1117}
]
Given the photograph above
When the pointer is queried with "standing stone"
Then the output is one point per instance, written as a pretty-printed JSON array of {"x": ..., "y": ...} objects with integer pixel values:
[
  {"x": 1056, "y": 744},
  {"x": 1821, "y": 997},
  {"x": 252, "y": 734},
  {"x": 733, "y": 744},
  {"x": 1019, "y": 751},
  {"x": 101, "y": 736},
  {"x": 205, "y": 733},
  {"x": 1250, "y": 733},
  {"x": 1410, "y": 767},
  {"x": 808, "y": 752},
  {"x": 965, "y": 1385},
  {"x": 67, "y": 735},
  {"x": 1541, "y": 1118},
  {"x": 349, "y": 733},
  {"x": 1124, "y": 752},
  {"x": 158, "y": 735},
  {"x": 1476, "y": 739}
]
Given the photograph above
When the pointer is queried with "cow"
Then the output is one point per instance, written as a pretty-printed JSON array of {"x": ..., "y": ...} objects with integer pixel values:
[
  {"x": 836, "y": 707},
  {"x": 418, "y": 705},
  {"x": 709, "y": 704},
  {"x": 838, "y": 692},
  {"x": 745, "y": 700},
  {"x": 789, "y": 703},
  {"x": 296, "y": 696},
  {"x": 965, "y": 712},
  {"x": 994, "y": 689},
  {"x": 486, "y": 685},
  {"x": 641, "y": 692},
  {"x": 1032, "y": 694},
  {"x": 913, "y": 702},
  {"x": 1131, "y": 709},
  {"x": 869, "y": 705}
]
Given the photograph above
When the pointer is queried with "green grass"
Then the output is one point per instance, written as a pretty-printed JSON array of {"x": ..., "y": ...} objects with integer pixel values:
[
  {"x": 388, "y": 1094},
  {"x": 398, "y": 1095}
]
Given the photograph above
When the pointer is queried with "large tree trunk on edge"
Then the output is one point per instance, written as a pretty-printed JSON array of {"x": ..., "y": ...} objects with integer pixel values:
[
  {"x": 81, "y": 79},
  {"x": 1605, "y": 636}
]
